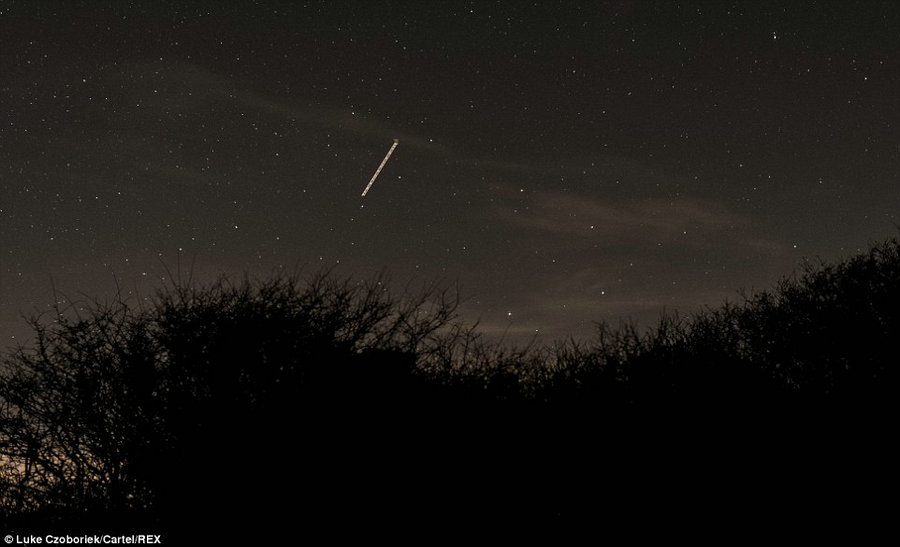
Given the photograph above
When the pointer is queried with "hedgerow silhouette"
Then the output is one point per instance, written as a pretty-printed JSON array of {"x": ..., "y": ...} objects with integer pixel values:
[
  {"x": 328, "y": 392},
  {"x": 120, "y": 410}
]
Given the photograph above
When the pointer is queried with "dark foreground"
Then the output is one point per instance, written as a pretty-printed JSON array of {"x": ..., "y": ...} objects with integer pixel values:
[{"x": 331, "y": 410}]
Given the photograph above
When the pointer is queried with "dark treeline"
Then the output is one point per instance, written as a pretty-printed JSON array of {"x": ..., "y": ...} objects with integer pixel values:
[{"x": 246, "y": 407}]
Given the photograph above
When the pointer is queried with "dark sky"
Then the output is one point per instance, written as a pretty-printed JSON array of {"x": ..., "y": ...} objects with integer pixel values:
[{"x": 563, "y": 162}]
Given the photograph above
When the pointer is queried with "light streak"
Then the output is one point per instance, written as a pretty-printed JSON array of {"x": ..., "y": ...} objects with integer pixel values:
[{"x": 380, "y": 167}]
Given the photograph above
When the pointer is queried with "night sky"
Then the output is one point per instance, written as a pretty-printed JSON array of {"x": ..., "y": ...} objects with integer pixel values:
[{"x": 562, "y": 162}]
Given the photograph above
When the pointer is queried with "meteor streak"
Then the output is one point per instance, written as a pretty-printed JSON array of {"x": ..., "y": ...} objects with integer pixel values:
[{"x": 380, "y": 167}]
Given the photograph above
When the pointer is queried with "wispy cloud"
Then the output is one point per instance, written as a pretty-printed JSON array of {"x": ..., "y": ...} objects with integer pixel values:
[
  {"x": 581, "y": 216},
  {"x": 152, "y": 85}
]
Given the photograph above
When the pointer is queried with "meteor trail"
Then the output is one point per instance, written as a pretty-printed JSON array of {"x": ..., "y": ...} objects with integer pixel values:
[{"x": 380, "y": 167}]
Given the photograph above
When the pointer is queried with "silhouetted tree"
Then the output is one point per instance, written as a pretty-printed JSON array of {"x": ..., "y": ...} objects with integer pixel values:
[
  {"x": 331, "y": 392},
  {"x": 119, "y": 410},
  {"x": 78, "y": 411}
]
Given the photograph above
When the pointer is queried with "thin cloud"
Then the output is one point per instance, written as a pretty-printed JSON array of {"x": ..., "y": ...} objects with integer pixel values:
[
  {"x": 200, "y": 88},
  {"x": 579, "y": 216}
]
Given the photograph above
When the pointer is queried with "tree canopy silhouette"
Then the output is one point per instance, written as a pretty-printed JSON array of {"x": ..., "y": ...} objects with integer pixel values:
[
  {"x": 237, "y": 395},
  {"x": 118, "y": 409}
]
